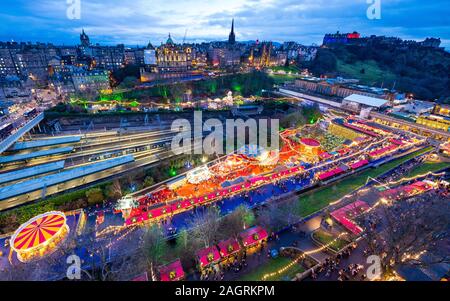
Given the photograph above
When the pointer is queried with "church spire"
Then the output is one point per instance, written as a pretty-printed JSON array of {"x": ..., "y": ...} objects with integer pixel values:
[
  {"x": 84, "y": 39},
  {"x": 232, "y": 36}
]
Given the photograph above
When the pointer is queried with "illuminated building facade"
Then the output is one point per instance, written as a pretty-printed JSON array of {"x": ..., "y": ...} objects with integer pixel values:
[
  {"x": 91, "y": 80},
  {"x": 443, "y": 110},
  {"x": 435, "y": 122},
  {"x": 172, "y": 58}
]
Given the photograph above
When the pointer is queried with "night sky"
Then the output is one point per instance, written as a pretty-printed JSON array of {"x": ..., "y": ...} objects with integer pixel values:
[{"x": 140, "y": 21}]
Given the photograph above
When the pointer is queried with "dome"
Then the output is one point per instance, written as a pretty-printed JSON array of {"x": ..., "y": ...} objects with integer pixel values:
[{"x": 169, "y": 40}]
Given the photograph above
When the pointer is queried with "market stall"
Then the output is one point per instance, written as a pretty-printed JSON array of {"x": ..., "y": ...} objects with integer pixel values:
[
  {"x": 253, "y": 238},
  {"x": 172, "y": 271},
  {"x": 347, "y": 214},
  {"x": 229, "y": 249},
  {"x": 208, "y": 257}
]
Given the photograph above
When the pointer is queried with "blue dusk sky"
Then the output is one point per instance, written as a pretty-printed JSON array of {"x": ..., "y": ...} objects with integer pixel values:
[{"x": 139, "y": 21}]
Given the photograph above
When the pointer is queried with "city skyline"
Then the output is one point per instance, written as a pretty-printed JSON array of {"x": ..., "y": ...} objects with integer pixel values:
[{"x": 139, "y": 22}]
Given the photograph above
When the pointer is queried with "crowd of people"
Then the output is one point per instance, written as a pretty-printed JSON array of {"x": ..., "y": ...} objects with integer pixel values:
[
  {"x": 333, "y": 264},
  {"x": 231, "y": 267}
]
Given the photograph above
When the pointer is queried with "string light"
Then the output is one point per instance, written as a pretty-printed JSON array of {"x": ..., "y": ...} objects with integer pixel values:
[
  {"x": 413, "y": 178},
  {"x": 416, "y": 256},
  {"x": 302, "y": 256}
]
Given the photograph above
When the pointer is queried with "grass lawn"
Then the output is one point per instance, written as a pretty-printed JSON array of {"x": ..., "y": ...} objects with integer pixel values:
[
  {"x": 427, "y": 167},
  {"x": 373, "y": 73},
  {"x": 272, "y": 266},
  {"x": 293, "y": 69},
  {"x": 325, "y": 238},
  {"x": 322, "y": 197}
]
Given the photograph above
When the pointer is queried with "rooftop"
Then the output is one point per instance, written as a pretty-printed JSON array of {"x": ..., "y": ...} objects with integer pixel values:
[{"x": 366, "y": 100}]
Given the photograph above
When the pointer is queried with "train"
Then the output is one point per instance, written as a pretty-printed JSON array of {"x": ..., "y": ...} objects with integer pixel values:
[
  {"x": 129, "y": 151},
  {"x": 30, "y": 113},
  {"x": 5, "y": 130}
]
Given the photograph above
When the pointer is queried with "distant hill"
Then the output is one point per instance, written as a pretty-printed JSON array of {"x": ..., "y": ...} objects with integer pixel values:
[{"x": 422, "y": 71}]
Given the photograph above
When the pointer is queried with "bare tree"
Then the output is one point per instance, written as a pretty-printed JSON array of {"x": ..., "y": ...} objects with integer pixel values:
[
  {"x": 405, "y": 230},
  {"x": 205, "y": 226},
  {"x": 234, "y": 223},
  {"x": 278, "y": 215},
  {"x": 154, "y": 247},
  {"x": 114, "y": 191}
]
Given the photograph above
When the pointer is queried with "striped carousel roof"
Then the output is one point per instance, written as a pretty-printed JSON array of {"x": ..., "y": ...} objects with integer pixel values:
[{"x": 38, "y": 230}]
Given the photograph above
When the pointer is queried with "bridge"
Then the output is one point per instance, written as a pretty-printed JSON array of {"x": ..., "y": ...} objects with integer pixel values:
[{"x": 10, "y": 140}]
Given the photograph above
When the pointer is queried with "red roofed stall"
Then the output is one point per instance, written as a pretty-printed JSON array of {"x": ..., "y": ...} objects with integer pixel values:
[
  {"x": 253, "y": 236},
  {"x": 229, "y": 247},
  {"x": 172, "y": 271},
  {"x": 142, "y": 277},
  {"x": 346, "y": 214},
  {"x": 208, "y": 256},
  {"x": 359, "y": 164},
  {"x": 331, "y": 173}
]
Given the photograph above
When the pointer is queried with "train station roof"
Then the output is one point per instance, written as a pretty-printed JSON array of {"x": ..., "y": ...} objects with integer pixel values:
[
  {"x": 60, "y": 177},
  {"x": 366, "y": 100},
  {"x": 32, "y": 155},
  {"x": 31, "y": 171},
  {"x": 44, "y": 142}
]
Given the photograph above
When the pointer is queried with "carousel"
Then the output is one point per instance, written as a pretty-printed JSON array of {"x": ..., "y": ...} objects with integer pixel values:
[
  {"x": 126, "y": 205},
  {"x": 40, "y": 236},
  {"x": 230, "y": 165},
  {"x": 309, "y": 146}
]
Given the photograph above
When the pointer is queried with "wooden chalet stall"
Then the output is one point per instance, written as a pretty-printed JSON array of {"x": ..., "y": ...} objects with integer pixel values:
[{"x": 253, "y": 238}]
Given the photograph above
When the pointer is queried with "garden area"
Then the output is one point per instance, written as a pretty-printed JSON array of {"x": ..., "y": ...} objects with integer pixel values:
[
  {"x": 426, "y": 168},
  {"x": 245, "y": 84},
  {"x": 272, "y": 266},
  {"x": 323, "y": 238}
]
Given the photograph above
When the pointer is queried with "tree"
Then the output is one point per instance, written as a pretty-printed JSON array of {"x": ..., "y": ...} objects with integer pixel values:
[
  {"x": 276, "y": 216},
  {"x": 186, "y": 247},
  {"x": 129, "y": 82},
  {"x": 148, "y": 181},
  {"x": 242, "y": 217},
  {"x": 324, "y": 62},
  {"x": 119, "y": 75},
  {"x": 94, "y": 196},
  {"x": 114, "y": 190},
  {"x": 205, "y": 226},
  {"x": 404, "y": 230},
  {"x": 154, "y": 247}
]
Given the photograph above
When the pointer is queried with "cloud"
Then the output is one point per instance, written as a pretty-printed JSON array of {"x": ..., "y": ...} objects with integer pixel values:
[{"x": 138, "y": 21}]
